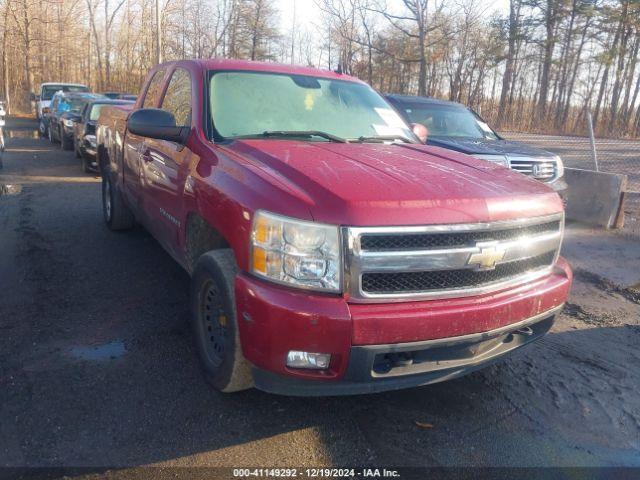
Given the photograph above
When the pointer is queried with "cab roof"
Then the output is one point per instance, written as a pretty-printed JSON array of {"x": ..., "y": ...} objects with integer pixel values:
[{"x": 272, "y": 67}]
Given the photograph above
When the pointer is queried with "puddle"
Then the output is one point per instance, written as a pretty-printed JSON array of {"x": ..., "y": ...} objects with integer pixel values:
[
  {"x": 22, "y": 134},
  {"x": 10, "y": 189},
  {"x": 106, "y": 351}
]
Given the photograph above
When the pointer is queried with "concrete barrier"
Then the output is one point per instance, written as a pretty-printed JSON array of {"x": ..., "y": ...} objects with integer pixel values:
[{"x": 595, "y": 198}]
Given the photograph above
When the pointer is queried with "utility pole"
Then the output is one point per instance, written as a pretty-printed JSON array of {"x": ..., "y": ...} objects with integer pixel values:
[{"x": 158, "y": 34}]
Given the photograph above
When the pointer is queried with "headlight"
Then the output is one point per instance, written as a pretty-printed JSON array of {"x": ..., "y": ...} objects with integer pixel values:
[
  {"x": 91, "y": 140},
  {"x": 295, "y": 252},
  {"x": 559, "y": 167},
  {"x": 68, "y": 123},
  {"x": 499, "y": 159}
]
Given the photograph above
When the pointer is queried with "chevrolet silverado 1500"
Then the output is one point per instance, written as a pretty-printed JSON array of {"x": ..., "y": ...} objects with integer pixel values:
[{"x": 329, "y": 251}]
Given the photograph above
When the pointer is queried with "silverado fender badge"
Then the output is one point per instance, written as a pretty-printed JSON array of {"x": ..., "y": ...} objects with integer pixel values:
[{"x": 489, "y": 255}]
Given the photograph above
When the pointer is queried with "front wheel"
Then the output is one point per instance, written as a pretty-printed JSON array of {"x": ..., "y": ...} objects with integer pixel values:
[
  {"x": 52, "y": 139},
  {"x": 116, "y": 213},
  {"x": 65, "y": 142},
  {"x": 215, "y": 324},
  {"x": 42, "y": 128}
]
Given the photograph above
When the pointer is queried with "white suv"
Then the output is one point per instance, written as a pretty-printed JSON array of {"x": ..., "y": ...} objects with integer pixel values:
[{"x": 43, "y": 100}]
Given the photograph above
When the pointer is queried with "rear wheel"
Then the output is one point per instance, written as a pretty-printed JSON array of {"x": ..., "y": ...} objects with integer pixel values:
[
  {"x": 116, "y": 213},
  {"x": 215, "y": 324}
]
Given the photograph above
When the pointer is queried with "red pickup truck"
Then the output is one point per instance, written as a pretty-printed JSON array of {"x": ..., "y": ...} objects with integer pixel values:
[{"x": 329, "y": 251}]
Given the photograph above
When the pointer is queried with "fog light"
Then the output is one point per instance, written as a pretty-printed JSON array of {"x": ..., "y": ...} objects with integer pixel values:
[{"x": 308, "y": 360}]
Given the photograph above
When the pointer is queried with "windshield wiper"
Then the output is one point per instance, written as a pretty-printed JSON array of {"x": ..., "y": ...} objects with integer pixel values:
[
  {"x": 382, "y": 139},
  {"x": 296, "y": 133}
]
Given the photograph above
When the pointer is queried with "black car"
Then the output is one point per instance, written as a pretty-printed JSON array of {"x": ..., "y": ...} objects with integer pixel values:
[
  {"x": 84, "y": 137},
  {"x": 453, "y": 126},
  {"x": 65, "y": 111}
]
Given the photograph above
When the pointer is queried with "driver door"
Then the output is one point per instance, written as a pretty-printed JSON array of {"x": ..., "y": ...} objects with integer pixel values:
[
  {"x": 166, "y": 165},
  {"x": 133, "y": 150}
]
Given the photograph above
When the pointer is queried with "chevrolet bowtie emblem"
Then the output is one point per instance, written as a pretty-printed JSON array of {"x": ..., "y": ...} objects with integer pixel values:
[{"x": 487, "y": 257}]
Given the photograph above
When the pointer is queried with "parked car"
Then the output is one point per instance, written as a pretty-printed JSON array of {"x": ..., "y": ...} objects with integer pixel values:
[
  {"x": 43, "y": 100},
  {"x": 64, "y": 112},
  {"x": 453, "y": 126},
  {"x": 84, "y": 138},
  {"x": 119, "y": 96},
  {"x": 329, "y": 251},
  {"x": 111, "y": 95}
]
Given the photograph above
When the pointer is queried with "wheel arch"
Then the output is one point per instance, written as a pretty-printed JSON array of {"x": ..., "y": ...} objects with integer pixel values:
[{"x": 200, "y": 237}]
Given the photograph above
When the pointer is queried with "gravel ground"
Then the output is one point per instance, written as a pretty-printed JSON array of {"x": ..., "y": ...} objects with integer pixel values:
[{"x": 97, "y": 368}]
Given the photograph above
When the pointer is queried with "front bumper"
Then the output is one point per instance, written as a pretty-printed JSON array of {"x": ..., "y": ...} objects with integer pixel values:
[
  {"x": 88, "y": 151},
  {"x": 559, "y": 185},
  {"x": 377, "y": 368},
  {"x": 441, "y": 339}
]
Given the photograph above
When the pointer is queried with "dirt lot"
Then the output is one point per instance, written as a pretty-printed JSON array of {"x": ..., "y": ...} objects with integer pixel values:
[{"x": 97, "y": 367}]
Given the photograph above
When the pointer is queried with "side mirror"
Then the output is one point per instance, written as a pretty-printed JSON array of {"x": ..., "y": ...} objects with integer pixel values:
[
  {"x": 158, "y": 124},
  {"x": 420, "y": 131},
  {"x": 33, "y": 97}
]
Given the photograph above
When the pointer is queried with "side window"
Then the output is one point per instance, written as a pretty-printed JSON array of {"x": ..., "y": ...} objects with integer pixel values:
[
  {"x": 154, "y": 90},
  {"x": 177, "y": 99}
]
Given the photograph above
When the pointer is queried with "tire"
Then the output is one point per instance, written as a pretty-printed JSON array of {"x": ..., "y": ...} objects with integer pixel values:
[
  {"x": 75, "y": 149},
  {"x": 116, "y": 213},
  {"x": 50, "y": 134},
  {"x": 42, "y": 128},
  {"x": 214, "y": 322},
  {"x": 85, "y": 165},
  {"x": 65, "y": 142}
]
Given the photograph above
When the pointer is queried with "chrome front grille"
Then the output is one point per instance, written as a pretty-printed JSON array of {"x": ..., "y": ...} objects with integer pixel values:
[
  {"x": 443, "y": 261},
  {"x": 382, "y": 242},
  {"x": 544, "y": 169}
]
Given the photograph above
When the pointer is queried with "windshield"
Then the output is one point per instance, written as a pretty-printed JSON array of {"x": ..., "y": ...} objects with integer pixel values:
[
  {"x": 95, "y": 111},
  {"x": 251, "y": 103},
  {"x": 71, "y": 105},
  {"x": 49, "y": 90},
  {"x": 449, "y": 121},
  {"x": 96, "y": 108}
]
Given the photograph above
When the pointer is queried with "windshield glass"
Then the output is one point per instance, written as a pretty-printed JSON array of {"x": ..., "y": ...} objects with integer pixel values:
[
  {"x": 49, "y": 90},
  {"x": 449, "y": 121},
  {"x": 95, "y": 111},
  {"x": 73, "y": 105},
  {"x": 251, "y": 103}
]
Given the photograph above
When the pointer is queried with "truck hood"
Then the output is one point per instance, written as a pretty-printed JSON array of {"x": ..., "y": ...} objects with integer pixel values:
[
  {"x": 472, "y": 146},
  {"x": 397, "y": 184}
]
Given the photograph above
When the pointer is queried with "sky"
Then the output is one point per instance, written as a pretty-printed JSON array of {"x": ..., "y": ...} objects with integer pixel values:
[{"x": 305, "y": 9}]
